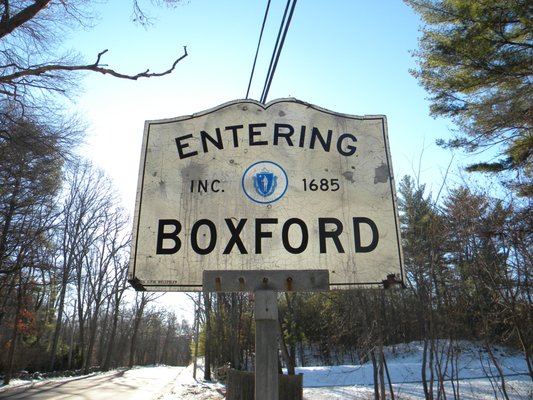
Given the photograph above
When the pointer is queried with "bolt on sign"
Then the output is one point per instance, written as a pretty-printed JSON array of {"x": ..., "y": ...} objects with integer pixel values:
[{"x": 283, "y": 186}]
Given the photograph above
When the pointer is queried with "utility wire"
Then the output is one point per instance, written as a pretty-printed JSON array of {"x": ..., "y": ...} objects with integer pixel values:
[
  {"x": 277, "y": 49},
  {"x": 257, "y": 51},
  {"x": 276, "y": 46}
]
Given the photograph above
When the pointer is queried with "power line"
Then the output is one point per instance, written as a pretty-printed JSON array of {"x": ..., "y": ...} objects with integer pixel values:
[
  {"x": 284, "y": 27},
  {"x": 257, "y": 51}
]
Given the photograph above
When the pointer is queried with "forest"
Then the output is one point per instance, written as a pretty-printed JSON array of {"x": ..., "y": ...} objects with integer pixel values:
[{"x": 66, "y": 305}]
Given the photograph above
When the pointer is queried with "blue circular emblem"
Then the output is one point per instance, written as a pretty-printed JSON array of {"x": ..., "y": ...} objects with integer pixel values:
[{"x": 264, "y": 182}]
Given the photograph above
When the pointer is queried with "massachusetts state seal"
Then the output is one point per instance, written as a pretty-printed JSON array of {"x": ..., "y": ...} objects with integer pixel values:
[{"x": 264, "y": 182}]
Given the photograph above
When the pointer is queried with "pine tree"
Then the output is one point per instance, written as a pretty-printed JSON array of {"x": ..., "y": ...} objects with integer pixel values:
[{"x": 475, "y": 59}]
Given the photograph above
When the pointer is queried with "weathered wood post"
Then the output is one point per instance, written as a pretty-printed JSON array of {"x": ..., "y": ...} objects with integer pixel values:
[
  {"x": 265, "y": 285},
  {"x": 266, "y": 345}
]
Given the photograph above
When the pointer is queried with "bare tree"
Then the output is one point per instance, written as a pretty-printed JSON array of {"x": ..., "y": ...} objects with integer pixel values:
[
  {"x": 30, "y": 65},
  {"x": 102, "y": 268},
  {"x": 29, "y": 181},
  {"x": 115, "y": 296},
  {"x": 142, "y": 299},
  {"x": 86, "y": 204}
]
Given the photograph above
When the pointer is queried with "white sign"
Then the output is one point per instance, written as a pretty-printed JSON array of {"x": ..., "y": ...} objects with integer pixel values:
[{"x": 282, "y": 186}]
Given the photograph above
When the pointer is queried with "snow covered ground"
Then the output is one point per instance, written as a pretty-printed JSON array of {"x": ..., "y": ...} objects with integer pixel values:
[
  {"x": 478, "y": 380},
  {"x": 478, "y": 377}
]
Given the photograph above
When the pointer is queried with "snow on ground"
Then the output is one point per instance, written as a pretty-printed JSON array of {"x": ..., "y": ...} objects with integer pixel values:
[
  {"x": 404, "y": 363},
  {"x": 478, "y": 379},
  {"x": 187, "y": 388}
]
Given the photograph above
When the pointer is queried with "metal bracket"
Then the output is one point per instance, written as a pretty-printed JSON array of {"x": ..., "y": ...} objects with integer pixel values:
[
  {"x": 137, "y": 285},
  {"x": 281, "y": 281},
  {"x": 393, "y": 280}
]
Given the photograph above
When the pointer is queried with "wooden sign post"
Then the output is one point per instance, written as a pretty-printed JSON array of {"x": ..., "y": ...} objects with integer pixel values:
[
  {"x": 266, "y": 345},
  {"x": 265, "y": 285}
]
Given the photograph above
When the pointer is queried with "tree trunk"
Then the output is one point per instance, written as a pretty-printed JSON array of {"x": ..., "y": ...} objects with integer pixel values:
[
  {"x": 207, "y": 366},
  {"x": 92, "y": 339},
  {"x": 103, "y": 336},
  {"x": 424, "y": 368},
  {"x": 196, "y": 336},
  {"x": 137, "y": 322},
  {"x": 15, "y": 334},
  {"x": 391, "y": 389},
  {"x": 503, "y": 384},
  {"x": 111, "y": 344},
  {"x": 8, "y": 217},
  {"x": 71, "y": 341},
  {"x": 284, "y": 351},
  {"x": 381, "y": 374},
  {"x": 81, "y": 320},
  {"x": 526, "y": 348},
  {"x": 235, "y": 332},
  {"x": 60, "y": 310},
  {"x": 375, "y": 374}
]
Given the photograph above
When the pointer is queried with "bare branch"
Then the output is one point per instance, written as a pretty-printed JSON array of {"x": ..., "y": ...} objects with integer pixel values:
[
  {"x": 9, "y": 24},
  {"x": 97, "y": 66},
  {"x": 146, "y": 74}
]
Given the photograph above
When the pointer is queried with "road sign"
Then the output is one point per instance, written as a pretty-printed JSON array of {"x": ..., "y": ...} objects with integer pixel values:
[{"x": 283, "y": 186}]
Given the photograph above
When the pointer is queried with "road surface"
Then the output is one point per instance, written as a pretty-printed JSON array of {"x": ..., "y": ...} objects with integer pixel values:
[{"x": 154, "y": 383}]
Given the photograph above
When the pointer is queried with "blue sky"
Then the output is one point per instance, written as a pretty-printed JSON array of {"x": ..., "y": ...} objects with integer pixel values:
[{"x": 351, "y": 57}]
